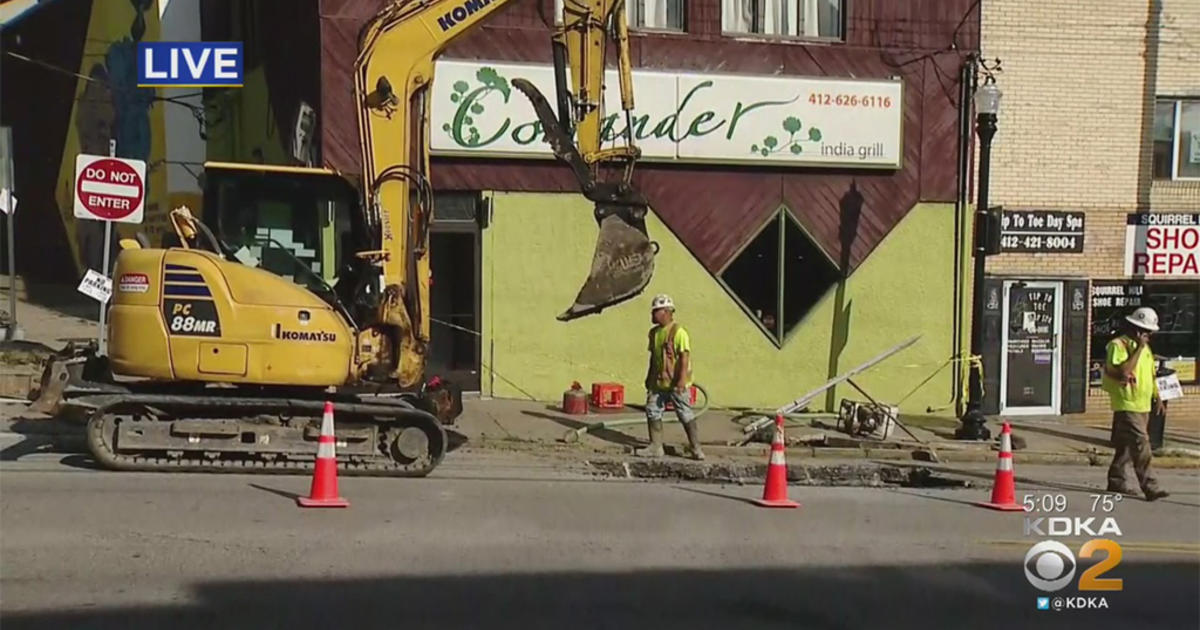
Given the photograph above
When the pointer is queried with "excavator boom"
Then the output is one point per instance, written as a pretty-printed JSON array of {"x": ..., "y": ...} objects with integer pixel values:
[{"x": 394, "y": 72}]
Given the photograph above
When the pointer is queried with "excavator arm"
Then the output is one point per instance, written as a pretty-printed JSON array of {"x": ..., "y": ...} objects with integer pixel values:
[
  {"x": 624, "y": 257},
  {"x": 393, "y": 75}
]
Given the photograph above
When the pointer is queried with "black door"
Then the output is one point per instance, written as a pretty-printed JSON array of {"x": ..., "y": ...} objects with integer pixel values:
[
  {"x": 1032, "y": 353},
  {"x": 454, "y": 244}
]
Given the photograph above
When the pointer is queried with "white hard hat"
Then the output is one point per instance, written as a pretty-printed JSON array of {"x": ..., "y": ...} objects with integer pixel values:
[
  {"x": 662, "y": 300},
  {"x": 1144, "y": 317}
]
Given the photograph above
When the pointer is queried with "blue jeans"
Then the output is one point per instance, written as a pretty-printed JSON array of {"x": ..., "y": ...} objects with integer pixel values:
[{"x": 656, "y": 401}]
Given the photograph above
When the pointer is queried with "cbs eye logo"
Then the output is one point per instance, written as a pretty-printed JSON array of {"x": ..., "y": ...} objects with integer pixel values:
[{"x": 1050, "y": 566}]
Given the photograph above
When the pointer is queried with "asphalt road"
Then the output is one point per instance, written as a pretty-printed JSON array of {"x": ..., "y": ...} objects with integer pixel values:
[{"x": 506, "y": 544}]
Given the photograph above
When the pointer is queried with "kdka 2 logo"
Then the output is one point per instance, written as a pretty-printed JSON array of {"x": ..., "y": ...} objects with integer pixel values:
[{"x": 1050, "y": 566}]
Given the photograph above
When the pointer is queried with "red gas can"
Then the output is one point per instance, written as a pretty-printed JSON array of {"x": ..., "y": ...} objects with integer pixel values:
[{"x": 575, "y": 400}]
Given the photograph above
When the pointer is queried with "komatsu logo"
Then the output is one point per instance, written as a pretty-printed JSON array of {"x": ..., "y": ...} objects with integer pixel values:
[
  {"x": 304, "y": 335},
  {"x": 460, "y": 13}
]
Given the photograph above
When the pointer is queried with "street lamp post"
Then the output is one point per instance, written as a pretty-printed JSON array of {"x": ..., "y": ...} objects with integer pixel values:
[{"x": 987, "y": 106}]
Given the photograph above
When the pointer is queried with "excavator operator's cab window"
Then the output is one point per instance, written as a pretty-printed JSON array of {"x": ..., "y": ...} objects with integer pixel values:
[{"x": 296, "y": 224}]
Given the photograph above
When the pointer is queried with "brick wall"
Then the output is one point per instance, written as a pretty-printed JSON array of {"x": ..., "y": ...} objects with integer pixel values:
[{"x": 1079, "y": 81}]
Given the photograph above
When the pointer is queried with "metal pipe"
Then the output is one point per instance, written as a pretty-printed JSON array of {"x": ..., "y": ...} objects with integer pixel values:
[
  {"x": 102, "y": 342},
  {"x": 566, "y": 110}
]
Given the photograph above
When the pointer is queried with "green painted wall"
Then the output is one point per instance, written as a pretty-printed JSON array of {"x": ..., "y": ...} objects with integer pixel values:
[{"x": 538, "y": 249}]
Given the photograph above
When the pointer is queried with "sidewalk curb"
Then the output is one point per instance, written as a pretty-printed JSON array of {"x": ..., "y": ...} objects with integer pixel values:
[{"x": 731, "y": 463}]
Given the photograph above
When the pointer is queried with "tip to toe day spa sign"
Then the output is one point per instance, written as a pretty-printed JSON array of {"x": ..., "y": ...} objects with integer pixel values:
[
  {"x": 684, "y": 117},
  {"x": 1162, "y": 244}
]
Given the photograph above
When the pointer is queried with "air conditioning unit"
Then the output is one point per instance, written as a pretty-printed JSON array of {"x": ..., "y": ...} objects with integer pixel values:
[
  {"x": 867, "y": 420},
  {"x": 303, "y": 132}
]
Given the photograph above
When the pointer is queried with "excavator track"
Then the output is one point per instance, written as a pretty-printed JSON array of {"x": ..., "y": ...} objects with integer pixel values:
[{"x": 180, "y": 433}]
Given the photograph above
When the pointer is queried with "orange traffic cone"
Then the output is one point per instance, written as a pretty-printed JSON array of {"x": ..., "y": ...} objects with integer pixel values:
[
  {"x": 775, "y": 489},
  {"x": 1004, "y": 491},
  {"x": 324, "y": 490}
]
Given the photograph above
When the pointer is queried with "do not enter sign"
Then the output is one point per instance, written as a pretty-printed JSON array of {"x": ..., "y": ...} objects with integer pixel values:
[{"x": 109, "y": 188}]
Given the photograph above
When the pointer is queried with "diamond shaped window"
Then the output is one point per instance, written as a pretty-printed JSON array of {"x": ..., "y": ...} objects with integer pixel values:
[{"x": 780, "y": 276}]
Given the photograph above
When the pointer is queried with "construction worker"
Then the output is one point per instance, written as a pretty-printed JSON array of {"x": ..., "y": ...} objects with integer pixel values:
[
  {"x": 668, "y": 378},
  {"x": 1129, "y": 380}
]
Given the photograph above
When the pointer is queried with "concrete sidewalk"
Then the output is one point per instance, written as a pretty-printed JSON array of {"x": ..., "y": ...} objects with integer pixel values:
[{"x": 526, "y": 425}]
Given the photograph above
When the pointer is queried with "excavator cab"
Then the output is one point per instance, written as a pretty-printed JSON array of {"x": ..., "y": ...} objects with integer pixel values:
[{"x": 303, "y": 224}]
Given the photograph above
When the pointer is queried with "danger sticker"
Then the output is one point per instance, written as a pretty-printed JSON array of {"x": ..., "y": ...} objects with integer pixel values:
[{"x": 133, "y": 283}]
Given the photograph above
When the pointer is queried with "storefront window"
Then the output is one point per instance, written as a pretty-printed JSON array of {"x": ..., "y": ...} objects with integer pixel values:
[
  {"x": 783, "y": 18},
  {"x": 779, "y": 276},
  {"x": 1177, "y": 138},
  {"x": 1177, "y": 305},
  {"x": 662, "y": 15},
  {"x": 1164, "y": 139}
]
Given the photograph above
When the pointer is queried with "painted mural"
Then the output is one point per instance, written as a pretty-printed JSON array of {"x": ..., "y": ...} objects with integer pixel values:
[
  {"x": 109, "y": 105},
  {"x": 241, "y": 124}
]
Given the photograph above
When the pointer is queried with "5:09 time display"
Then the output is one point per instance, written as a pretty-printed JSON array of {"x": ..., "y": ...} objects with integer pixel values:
[{"x": 849, "y": 100}]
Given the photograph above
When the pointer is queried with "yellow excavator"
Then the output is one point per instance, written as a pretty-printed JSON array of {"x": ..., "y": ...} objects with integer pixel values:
[{"x": 224, "y": 345}]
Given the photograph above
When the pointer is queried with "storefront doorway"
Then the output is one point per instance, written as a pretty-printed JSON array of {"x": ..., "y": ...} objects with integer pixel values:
[
  {"x": 454, "y": 244},
  {"x": 1031, "y": 355}
]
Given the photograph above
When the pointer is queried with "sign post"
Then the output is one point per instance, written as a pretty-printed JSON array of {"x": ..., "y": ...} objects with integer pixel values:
[
  {"x": 109, "y": 189},
  {"x": 103, "y": 340},
  {"x": 8, "y": 203}
]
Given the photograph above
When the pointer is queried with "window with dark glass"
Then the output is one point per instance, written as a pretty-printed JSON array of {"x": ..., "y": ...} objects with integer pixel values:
[
  {"x": 1176, "y": 344},
  {"x": 297, "y": 226},
  {"x": 783, "y": 18},
  {"x": 662, "y": 15},
  {"x": 779, "y": 276},
  {"x": 1176, "y": 139}
]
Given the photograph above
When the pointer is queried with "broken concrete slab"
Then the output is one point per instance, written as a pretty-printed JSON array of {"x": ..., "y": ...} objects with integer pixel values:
[{"x": 843, "y": 474}]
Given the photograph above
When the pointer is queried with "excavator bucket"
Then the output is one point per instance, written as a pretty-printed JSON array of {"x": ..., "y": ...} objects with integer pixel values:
[
  {"x": 621, "y": 267},
  {"x": 624, "y": 257}
]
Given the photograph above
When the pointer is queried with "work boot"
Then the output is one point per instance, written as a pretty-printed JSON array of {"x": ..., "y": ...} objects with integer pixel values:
[
  {"x": 1119, "y": 489},
  {"x": 1156, "y": 493},
  {"x": 655, "y": 448},
  {"x": 693, "y": 449}
]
